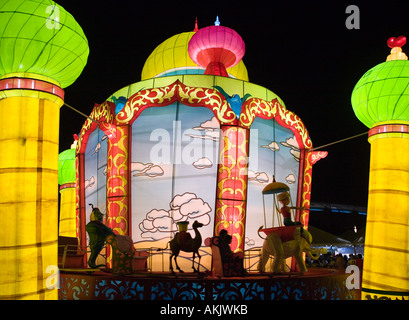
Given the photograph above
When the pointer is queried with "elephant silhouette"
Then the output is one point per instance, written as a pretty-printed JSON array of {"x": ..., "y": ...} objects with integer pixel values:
[{"x": 275, "y": 246}]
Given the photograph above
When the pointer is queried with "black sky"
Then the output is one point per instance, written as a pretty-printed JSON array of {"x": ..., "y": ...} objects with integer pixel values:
[{"x": 302, "y": 51}]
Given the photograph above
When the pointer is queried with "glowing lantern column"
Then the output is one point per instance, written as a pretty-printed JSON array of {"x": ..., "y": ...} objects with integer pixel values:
[
  {"x": 66, "y": 180},
  {"x": 42, "y": 50},
  {"x": 381, "y": 101}
]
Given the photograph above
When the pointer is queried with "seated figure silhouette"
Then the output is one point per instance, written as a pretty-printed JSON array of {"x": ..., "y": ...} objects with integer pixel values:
[{"x": 97, "y": 232}]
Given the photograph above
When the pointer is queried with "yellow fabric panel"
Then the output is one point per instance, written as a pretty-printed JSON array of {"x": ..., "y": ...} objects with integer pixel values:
[
  {"x": 68, "y": 224},
  {"x": 387, "y": 230},
  {"x": 202, "y": 81},
  {"x": 31, "y": 93},
  {"x": 230, "y": 86},
  {"x": 29, "y": 203}
]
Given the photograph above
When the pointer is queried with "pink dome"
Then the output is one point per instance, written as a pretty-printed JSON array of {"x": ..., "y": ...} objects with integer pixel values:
[{"x": 216, "y": 44}]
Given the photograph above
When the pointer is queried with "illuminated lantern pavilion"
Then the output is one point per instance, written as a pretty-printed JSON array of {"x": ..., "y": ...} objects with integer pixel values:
[
  {"x": 42, "y": 49},
  {"x": 380, "y": 100},
  {"x": 194, "y": 140}
]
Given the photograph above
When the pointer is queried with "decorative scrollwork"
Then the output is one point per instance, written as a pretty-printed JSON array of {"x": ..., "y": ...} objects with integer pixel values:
[
  {"x": 238, "y": 291},
  {"x": 274, "y": 110},
  {"x": 177, "y": 91},
  {"x": 102, "y": 113},
  {"x": 176, "y": 290},
  {"x": 330, "y": 287},
  {"x": 74, "y": 288},
  {"x": 119, "y": 290}
]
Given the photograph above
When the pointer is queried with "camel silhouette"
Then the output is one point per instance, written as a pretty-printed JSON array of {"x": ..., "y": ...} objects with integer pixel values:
[{"x": 183, "y": 241}]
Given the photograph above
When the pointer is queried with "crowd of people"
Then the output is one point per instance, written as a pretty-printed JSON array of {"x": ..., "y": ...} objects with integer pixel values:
[{"x": 336, "y": 261}]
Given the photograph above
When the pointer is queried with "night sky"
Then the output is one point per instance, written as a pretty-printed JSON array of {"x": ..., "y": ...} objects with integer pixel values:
[{"x": 301, "y": 51}]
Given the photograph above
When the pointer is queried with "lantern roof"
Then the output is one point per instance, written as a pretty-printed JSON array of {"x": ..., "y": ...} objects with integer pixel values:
[
  {"x": 39, "y": 37},
  {"x": 171, "y": 57}
]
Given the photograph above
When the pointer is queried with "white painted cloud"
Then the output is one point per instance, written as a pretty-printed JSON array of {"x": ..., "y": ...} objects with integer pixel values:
[
  {"x": 273, "y": 146},
  {"x": 209, "y": 124},
  {"x": 178, "y": 200},
  {"x": 194, "y": 208},
  {"x": 89, "y": 183},
  {"x": 290, "y": 178},
  {"x": 211, "y": 130},
  {"x": 260, "y": 177},
  {"x": 97, "y": 148},
  {"x": 295, "y": 154},
  {"x": 295, "y": 148},
  {"x": 146, "y": 169},
  {"x": 249, "y": 242},
  {"x": 202, "y": 163},
  {"x": 159, "y": 223}
]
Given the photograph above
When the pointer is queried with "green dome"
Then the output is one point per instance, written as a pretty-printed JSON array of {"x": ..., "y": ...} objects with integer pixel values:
[
  {"x": 40, "y": 37},
  {"x": 382, "y": 94},
  {"x": 66, "y": 167}
]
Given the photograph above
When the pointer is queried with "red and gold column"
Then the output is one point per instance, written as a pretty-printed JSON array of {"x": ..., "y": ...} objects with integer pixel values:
[
  {"x": 28, "y": 185},
  {"x": 231, "y": 191},
  {"x": 118, "y": 180},
  {"x": 118, "y": 183}
]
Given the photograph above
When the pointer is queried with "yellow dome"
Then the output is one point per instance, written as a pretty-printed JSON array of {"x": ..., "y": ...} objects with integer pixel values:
[{"x": 172, "y": 58}]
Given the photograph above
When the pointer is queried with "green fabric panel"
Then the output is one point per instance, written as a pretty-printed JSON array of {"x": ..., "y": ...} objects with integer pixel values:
[
  {"x": 40, "y": 37},
  {"x": 382, "y": 94}
]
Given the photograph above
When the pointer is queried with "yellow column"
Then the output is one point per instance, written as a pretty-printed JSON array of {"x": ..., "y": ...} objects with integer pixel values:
[
  {"x": 386, "y": 259},
  {"x": 29, "y": 194},
  {"x": 66, "y": 179},
  {"x": 68, "y": 221}
]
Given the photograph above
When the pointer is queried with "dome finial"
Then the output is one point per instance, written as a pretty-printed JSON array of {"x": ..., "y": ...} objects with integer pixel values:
[
  {"x": 396, "y": 45},
  {"x": 216, "y": 48},
  {"x": 217, "y": 22},
  {"x": 196, "y": 26}
]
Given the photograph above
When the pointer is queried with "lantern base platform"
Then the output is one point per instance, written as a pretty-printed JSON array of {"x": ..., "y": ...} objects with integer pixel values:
[{"x": 316, "y": 284}]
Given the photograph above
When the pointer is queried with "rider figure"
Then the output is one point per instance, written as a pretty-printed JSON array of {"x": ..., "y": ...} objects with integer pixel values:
[{"x": 284, "y": 198}]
